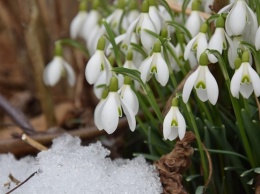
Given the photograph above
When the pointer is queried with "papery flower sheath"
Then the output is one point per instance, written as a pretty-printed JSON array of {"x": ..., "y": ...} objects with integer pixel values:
[
  {"x": 174, "y": 124},
  {"x": 203, "y": 81},
  {"x": 107, "y": 113},
  {"x": 155, "y": 65},
  {"x": 245, "y": 79}
]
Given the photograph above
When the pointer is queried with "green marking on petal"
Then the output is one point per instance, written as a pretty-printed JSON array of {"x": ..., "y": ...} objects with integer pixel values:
[
  {"x": 102, "y": 68},
  {"x": 154, "y": 69},
  {"x": 200, "y": 84},
  {"x": 120, "y": 111},
  {"x": 174, "y": 123},
  {"x": 245, "y": 79}
]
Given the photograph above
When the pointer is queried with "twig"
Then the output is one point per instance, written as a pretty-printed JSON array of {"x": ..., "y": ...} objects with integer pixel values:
[
  {"x": 258, "y": 106},
  {"x": 21, "y": 183},
  {"x": 176, "y": 7},
  {"x": 16, "y": 115},
  {"x": 33, "y": 143}
]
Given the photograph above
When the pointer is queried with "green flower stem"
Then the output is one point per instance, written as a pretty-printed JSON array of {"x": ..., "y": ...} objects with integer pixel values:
[
  {"x": 73, "y": 43},
  {"x": 257, "y": 61},
  {"x": 204, "y": 109},
  {"x": 201, "y": 151},
  {"x": 237, "y": 109}
]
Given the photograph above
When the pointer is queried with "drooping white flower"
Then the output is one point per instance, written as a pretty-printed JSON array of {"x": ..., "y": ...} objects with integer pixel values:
[
  {"x": 114, "y": 18},
  {"x": 257, "y": 39},
  {"x": 56, "y": 69},
  {"x": 218, "y": 39},
  {"x": 142, "y": 23},
  {"x": 109, "y": 110},
  {"x": 194, "y": 21},
  {"x": 155, "y": 65},
  {"x": 204, "y": 83},
  {"x": 129, "y": 95},
  {"x": 174, "y": 124},
  {"x": 93, "y": 37},
  {"x": 76, "y": 26},
  {"x": 90, "y": 23},
  {"x": 98, "y": 63},
  {"x": 245, "y": 80},
  {"x": 199, "y": 43},
  {"x": 155, "y": 15},
  {"x": 240, "y": 19}
]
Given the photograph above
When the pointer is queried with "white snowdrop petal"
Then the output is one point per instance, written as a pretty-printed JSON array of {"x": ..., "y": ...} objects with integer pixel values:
[
  {"x": 90, "y": 22},
  {"x": 189, "y": 47},
  {"x": 226, "y": 8},
  {"x": 211, "y": 87},
  {"x": 130, "y": 31},
  {"x": 237, "y": 13},
  {"x": 255, "y": 80},
  {"x": 53, "y": 70},
  {"x": 167, "y": 123},
  {"x": 70, "y": 73},
  {"x": 129, "y": 115},
  {"x": 76, "y": 24},
  {"x": 235, "y": 82},
  {"x": 155, "y": 17},
  {"x": 108, "y": 69},
  {"x": 202, "y": 94},
  {"x": 246, "y": 89},
  {"x": 257, "y": 39},
  {"x": 173, "y": 134},
  {"x": 162, "y": 75},
  {"x": 252, "y": 24},
  {"x": 145, "y": 69},
  {"x": 130, "y": 97},
  {"x": 181, "y": 124},
  {"x": 109, "y": 116},
  {"x": 101, "y": 80},
  {"x": 202, "y": 45},
  {"x": 193, "y": 23},
  {"x": 189, "y": 85},
  {"x": 216, "y": 43},
  {"x": 147, "y": 39},
  {"x": 97, "y": 113},
  {"x": 118, "y": 39},
  {"x": 93, "y": 68}
]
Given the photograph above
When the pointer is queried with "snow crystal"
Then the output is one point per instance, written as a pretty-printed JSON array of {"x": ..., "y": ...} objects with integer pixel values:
[{"x": 68, "y": 167}]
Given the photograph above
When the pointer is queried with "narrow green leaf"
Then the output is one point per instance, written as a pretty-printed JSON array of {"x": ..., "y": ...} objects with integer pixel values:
[
  {"x": 180, "y": 27},
  {"x": 75, "y": 44}
]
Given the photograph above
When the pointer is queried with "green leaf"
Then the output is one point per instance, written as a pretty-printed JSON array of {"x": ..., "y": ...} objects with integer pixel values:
[
  {"x": 147, "y": 156},
  {"x": 250, "y": 46},
  {"x": 75, "y": 44},
  {"x": 139, "y": 49},
  {"x": 184, "y": 7},
  {"x": 132, "y": 73}
]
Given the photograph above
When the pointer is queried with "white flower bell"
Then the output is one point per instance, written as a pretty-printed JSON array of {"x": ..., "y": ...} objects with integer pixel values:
[
  {"x": 143, "y": 22},
  {"x": 174, "y": 124},
  {"x": 218, "y": 39},
  {"x": 240, "y": 19},
  {"x": 98, "y": 63},
  {"x": 199, "y": 43},
  {"x": 257, "y": 39},
  {"x": 156, "y": 65},
  {"x": 57, "y": 68},
  {"x": 203, "y": 82},
  {"x": 109, "y": 110},
  {"x": 155, "y": 15},
  {"x": 76, "y": 26},
  {"x": 194, "y": 21},
  {"x": 245, "y": 80}
]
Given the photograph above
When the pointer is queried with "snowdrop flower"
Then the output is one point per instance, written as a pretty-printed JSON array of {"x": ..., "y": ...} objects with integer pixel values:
[
  {"x": 155, "y": 15},
  {"x": 133, "y": 12},
  {"x": 76, "y": 26},
  {"x": 174, "y": 124},
  {"x": 98, "y": 63},
  {"x": 128, "y": 95},
  {"x": 156, "y": 65},
  {"x": 203, "y": 82},
  {"x": 108, "y": 111},
  {"x": 114, "y": 18},
  {"x": 257, "y": 39},
  {"x": 245, "y": 80},
  {"x": 198, "y": 43},
  {"x": 240, "y": 19},
  {"x": 57, "y": 68},
  {"x": 218, "y": 40},
  {"x": 91, "y": 21},
  {"x": 194, "y": 21},
  {"x": 143, "y": 22}
]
